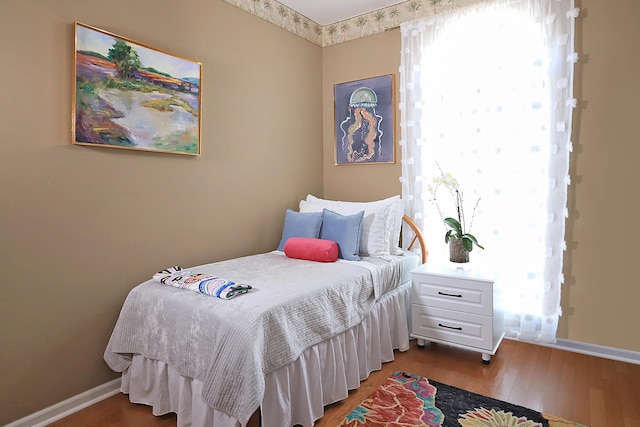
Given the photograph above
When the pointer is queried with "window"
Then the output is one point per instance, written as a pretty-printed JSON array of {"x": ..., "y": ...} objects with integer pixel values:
[{"x": 486, "y": 94}]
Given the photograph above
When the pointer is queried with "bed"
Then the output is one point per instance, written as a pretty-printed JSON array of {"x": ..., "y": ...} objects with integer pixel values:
[{"x": 307, "y": 332}]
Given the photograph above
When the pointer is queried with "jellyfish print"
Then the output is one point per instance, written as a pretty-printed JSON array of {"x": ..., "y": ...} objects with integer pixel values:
[{"x": 361, "y": 129}]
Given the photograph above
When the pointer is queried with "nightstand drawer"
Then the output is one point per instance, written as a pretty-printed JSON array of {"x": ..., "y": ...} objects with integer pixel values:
[
  {"x": 469, "y": 296},
  {"x": 446, "y": 325}
]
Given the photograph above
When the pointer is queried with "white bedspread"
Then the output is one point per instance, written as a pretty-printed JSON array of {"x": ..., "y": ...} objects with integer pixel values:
[{"x": 230, "y": 345}]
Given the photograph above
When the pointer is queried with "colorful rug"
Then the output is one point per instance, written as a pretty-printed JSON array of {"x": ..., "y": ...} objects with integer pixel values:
[{"x": 407, "y": 400}]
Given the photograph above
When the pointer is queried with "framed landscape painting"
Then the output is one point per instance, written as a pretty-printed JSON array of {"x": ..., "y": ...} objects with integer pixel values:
[
  {"x": 365, "y": 121},
  {"x": 128, "y": 95}
]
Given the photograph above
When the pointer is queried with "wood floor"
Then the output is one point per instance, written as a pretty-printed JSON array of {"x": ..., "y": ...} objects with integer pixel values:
[{"x": 590, "y": 390}]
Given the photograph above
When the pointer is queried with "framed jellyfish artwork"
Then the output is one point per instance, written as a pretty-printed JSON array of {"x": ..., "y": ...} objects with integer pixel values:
[
  {"x": 365, "y": 121},
  {"x": 129, "y": 95}
]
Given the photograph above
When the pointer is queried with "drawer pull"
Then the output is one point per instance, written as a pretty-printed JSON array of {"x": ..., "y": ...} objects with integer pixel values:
[
  {"x": 449, "y": 295},
  {"x": 449, "y": 327}
]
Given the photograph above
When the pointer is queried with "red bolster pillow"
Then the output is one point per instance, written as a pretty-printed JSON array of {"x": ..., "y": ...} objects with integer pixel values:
[{"x": 311, "y": 249}]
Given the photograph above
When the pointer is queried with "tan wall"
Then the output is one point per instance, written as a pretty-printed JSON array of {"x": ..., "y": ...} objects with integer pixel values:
[
  {"x": 601, "y": 291},
  {"x": 82, "y": 225}
]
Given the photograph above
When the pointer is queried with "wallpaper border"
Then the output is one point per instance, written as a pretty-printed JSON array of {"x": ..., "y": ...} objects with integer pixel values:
[{"x": 350, "y": 29}]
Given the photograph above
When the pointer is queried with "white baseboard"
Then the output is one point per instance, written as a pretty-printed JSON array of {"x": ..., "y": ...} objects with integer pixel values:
[
  {"x": 67, "y": 407},
  {"x": 596, "y": 350}
]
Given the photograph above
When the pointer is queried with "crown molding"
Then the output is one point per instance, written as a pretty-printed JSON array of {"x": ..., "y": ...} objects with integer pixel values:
[{"x": 364, "y": 25}]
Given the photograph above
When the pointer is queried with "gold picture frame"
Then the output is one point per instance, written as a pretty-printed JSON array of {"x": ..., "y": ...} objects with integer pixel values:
[{"x": 129, "y": 95}]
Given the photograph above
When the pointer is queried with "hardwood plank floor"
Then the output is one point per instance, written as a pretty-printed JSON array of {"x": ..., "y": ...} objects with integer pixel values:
[{"x": 590, "y": 390}]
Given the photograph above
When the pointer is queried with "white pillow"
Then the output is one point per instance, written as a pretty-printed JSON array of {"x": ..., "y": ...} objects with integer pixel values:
[
  {"x": 380, "y": 225},
  {"x": 396, "y": 213}
]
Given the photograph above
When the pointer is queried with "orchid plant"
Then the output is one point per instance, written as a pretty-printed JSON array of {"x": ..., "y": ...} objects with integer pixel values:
[{"x": 456, "y": 227}]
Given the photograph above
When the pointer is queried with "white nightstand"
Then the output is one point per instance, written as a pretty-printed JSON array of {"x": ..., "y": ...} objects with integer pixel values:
[{"x": 456, "y": 308}]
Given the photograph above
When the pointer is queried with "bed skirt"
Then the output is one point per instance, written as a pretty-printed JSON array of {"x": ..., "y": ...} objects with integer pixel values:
[{"x": 296, "y": 393}]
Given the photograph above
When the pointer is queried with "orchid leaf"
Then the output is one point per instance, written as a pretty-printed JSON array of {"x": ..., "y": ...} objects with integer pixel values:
[
  {"x": 447, "y": 236},
  {"x": 469, "y": 240},
  {"x": 468, "y": 244},
  {"x": 455, "y": 226}
]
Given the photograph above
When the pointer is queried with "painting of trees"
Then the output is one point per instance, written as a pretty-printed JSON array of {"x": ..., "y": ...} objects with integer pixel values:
[{"x": 125, "y": 57}]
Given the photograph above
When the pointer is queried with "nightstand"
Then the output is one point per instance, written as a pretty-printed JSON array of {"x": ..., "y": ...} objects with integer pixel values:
[{"x": 457, "y": 308}]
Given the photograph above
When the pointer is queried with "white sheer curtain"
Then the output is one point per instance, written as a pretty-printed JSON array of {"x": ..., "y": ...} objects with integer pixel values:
[{"x": 486, "y": 93}]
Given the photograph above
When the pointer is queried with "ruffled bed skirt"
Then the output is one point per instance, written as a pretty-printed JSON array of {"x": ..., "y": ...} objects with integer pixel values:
[{"x": 296, "y": 393}]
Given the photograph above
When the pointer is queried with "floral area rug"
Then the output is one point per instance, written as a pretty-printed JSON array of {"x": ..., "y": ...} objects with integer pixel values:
[{"x": 407, "y": 400}]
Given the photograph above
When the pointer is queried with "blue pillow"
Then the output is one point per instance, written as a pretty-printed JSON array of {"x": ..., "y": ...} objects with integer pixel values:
[
  {"x": 345, "y": 230},
  {"x": 300, "y": 224}
]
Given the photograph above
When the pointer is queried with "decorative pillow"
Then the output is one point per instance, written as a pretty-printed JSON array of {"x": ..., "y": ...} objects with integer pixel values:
[
  {"x": 311, "y": 249},
  {"x": 298, "y": 224},
  {"x": 345, "y": 230},
  {"x": 380, "y": 225}
]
